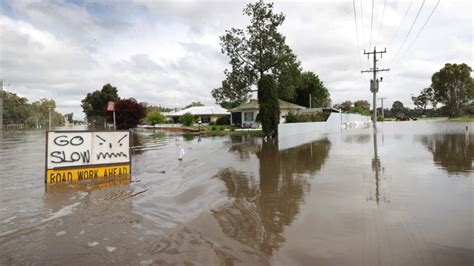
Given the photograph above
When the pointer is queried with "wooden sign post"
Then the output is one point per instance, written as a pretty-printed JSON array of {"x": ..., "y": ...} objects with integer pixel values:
[{"x": 111, "y": 108}]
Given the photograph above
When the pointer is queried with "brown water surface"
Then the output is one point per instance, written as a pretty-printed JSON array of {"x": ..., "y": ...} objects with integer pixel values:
[{"x": 402, "y": 196}]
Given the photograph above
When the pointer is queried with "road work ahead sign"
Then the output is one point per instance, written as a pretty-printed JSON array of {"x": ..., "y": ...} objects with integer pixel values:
[{"x": 81, "y": 155}]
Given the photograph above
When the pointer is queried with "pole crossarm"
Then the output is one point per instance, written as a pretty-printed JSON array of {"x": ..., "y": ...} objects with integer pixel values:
[{"x": 377, "y": 70}]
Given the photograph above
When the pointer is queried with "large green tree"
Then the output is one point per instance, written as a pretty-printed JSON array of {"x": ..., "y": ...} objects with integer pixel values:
[
  {"x": 453, "y": 86},
  {"x": 254, "y": 51},
  {"x": 363, "y": 105},
  {"x": 345, "y": 106},
  {"x": 17, "y": 110},
  {"x": 234, "y": 90},
  {"x": 421, "y": 101},
  {"x": 398, "y": 110},
  {"x": 311, "y": 86},
  {"x": 94, "y": 104}
]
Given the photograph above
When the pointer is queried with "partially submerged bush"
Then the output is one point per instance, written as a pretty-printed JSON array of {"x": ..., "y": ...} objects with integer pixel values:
[
  {"x": 187, "y": 119},
  {"x": 223, "y": 120}
]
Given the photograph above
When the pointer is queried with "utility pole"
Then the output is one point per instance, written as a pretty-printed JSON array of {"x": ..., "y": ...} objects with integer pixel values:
[
  {"x": 374, "y": 83},
  {"x": 381, "y": 100}
]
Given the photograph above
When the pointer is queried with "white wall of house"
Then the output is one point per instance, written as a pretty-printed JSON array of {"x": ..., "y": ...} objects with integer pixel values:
[
  {"x": 252, "y": 115},
  {"x": 248, "y": 118},
  {"x": 283, "y": 114}
]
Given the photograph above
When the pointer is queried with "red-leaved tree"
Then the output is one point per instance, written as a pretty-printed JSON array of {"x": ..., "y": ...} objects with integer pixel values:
[{"x": 128, "y": 113}]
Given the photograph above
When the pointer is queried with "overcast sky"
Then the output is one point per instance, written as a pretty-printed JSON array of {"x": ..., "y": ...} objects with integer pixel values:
[{"x": 168, "y": 53}]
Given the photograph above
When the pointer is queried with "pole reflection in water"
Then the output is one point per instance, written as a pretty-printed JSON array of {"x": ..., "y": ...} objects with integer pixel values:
[
  {"x": 378, "y": 172},
  {"x": 264, "y": 205}
]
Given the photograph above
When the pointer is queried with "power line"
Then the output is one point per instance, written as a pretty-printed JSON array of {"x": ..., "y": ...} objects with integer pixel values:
[
  {"x": 411, "y": 28},
  {"x": 363, "y": 32},
  {"x": 419, "y": 32},
  {"x": 371, "y": 24},
  {"x": 381, "y": 21},
  {"x": 362, "y": 18},
  {"x": 357, "y": 33},
  {"x": 401, "y": 22}
]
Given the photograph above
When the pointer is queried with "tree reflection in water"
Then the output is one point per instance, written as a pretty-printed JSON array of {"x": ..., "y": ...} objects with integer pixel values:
[
  {"x": 260, "y": 210},
  {"x": 454, "y": 152}
]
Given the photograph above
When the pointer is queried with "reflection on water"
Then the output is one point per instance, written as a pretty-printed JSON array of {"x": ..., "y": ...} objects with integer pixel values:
[
  {"x": 357, "y": 138},
  {"x": 353, "y": 197},
  {"x": 377, "y": 169},
  {"x": 453, "y": 152},
  {"x": 263, "y": 207}
]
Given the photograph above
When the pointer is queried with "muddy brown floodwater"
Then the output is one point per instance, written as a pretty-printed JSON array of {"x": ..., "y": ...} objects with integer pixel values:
[{"x": 403, "y": 196}]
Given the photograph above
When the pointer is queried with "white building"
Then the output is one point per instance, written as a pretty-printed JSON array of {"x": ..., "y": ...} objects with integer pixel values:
[
  {"x": 205, "y": 114},
  {"x": 245, "y": 114}
]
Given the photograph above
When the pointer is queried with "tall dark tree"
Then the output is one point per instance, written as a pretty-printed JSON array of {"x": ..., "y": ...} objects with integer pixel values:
[
  {"x": 311, "y": 86},
  {"x": 421, "y": 101},
  {"x": 269, "y": 107},
  {"x": 95, "y": 103},
  {"x": 362, "y": 104},
  {"x": 254, "y": 51},
  {"x": 345, "y": 106},
  {"x": 128, "y": 113},
  {"x": 453, "y": 86},
  {"x": 398, "y": 110}
]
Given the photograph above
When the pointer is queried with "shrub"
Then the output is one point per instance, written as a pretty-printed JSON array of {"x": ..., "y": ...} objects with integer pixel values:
[
  {"x": 223, "y": 120},
  {"x": 212, "y": 123},
  {"x": 187, "y": 119},
  {"x": 467, "y": 110},
  {"x": 360, "y": 110},
  {"x": 154, "y": 117}
]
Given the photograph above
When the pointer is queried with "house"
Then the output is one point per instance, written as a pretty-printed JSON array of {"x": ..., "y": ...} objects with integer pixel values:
[
  {"x": 245, "y": 114},
  {"x": 205, "y": 114}
]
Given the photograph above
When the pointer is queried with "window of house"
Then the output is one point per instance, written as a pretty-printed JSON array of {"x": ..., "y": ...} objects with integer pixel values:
[{"x": 248, "y": 116}]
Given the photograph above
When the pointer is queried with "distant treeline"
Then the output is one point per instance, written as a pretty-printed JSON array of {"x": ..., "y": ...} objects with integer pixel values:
[{"x": 19, "y": 112}]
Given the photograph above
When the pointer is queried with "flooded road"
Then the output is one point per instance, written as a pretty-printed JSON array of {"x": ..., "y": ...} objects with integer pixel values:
[{"x": 403, "y": 196}]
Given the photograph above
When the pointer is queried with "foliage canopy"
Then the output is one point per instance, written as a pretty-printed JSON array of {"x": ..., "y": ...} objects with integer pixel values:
[
  {"x": 17, "y": 110},
  {"x": 453, "y": 86},
  {"x": 94, "y": 104},
  {"x": 311, "y": 85},
  {"x": 254, "y": 51},
  {"x": 128, "y": 113}
]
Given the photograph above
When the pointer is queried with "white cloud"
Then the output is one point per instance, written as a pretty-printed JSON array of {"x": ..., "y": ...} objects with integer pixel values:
[{"x": 168, "y": 52}]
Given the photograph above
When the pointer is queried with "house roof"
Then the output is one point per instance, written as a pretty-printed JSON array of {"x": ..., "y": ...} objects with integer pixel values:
[
  {"x": 253, "y": 105},
  {"x": 201, "y": 110}
]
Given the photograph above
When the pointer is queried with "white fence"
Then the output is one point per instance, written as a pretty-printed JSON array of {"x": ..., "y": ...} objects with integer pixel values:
[{"x": 295, "y": 134}]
